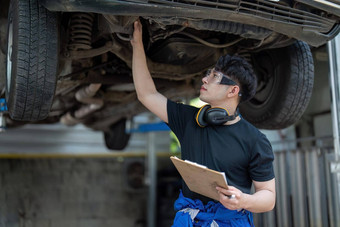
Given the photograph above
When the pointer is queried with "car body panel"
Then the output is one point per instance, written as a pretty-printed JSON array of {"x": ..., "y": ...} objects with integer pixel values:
[{"x": 297, "y": 23}]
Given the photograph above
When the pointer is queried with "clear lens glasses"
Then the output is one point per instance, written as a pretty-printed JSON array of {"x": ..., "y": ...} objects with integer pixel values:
[{"x": 214, "y": 76}]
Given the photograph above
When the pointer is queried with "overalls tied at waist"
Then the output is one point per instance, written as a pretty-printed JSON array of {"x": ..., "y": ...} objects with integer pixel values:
[{"x": 192, "y": 213}]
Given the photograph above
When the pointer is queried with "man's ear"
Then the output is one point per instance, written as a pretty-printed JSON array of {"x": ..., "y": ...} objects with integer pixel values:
[{"x": 233, "y": 91}]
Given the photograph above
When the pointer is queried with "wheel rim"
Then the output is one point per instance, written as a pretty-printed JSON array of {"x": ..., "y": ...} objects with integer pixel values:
[
  {"x": 264, "y": 91},
  {"x": 9, "y": 55},
  {"x": 267, "y": 83}
]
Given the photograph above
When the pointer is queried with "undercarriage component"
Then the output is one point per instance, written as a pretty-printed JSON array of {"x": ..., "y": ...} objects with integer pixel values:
[
  {"x": 243, "y": 30},
  {"x": 213, "y": 45},
  {"x": 88, "y": 53},
  {"x": 116, "y": 138},
  {"x": 168, "y": 71},
  {"x": 84, "y": 95},
  {"x": 120, "y": 24},
  {"x": 180, "y": 52},
  {"x": 80, "y": 30}
]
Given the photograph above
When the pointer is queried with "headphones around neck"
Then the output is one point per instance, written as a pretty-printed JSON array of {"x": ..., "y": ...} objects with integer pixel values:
[{"x": 213, "y": 116}]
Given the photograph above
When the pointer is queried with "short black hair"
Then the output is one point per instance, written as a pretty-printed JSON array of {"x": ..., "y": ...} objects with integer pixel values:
[{"x": 238, "y": 69}]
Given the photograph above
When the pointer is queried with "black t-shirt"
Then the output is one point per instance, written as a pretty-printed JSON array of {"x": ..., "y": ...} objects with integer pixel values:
[{"x": 240, "y": 150}]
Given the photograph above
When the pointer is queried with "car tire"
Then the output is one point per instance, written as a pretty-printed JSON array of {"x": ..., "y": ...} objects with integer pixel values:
[
  {"x": 285, "y": 84},
  {"x": 32, "y": 54},
  {"x": 117, "y": 138}
]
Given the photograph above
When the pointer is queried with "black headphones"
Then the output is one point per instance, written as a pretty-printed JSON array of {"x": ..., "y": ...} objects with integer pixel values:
[{"x": 213, "y": 116}]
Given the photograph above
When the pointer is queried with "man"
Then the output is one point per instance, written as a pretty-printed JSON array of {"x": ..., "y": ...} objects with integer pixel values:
[{"x": 232, "y": 145}]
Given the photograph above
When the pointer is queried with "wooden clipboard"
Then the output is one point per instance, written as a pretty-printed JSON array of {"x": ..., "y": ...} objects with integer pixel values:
[{"x": 199, "y": 178}]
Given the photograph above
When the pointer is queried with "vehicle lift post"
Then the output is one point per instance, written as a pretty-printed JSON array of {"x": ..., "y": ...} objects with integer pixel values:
[
  {"x": 151, "y": 178},
  {"x": 334, "y": 78}
]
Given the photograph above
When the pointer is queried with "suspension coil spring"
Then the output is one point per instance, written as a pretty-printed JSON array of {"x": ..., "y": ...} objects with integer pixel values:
[{"x": 80, "y": 30}]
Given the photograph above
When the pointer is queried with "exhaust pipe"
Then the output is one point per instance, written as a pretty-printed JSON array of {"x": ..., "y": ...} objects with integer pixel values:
[{"x": 84, "y": 95}]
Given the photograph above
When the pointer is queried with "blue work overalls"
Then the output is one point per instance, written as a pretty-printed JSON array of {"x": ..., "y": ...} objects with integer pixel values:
[{"x": 192, "y": 213}]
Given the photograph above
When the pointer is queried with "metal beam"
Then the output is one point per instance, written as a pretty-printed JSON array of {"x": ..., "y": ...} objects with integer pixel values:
[
  {"x": 152, "y": 180},
  {"x": 334, "y": 79}
]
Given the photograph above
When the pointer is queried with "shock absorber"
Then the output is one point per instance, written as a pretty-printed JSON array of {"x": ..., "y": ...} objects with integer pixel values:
[{"x": 80, "y": 30}]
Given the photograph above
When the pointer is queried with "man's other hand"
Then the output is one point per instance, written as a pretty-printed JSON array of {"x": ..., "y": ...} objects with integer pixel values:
[
  {"x": 137, "y": 34},
  {"x": 230, "y": 198}
]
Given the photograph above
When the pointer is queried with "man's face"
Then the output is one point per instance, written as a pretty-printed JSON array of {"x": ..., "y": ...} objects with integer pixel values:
[{"x": 215, "y": 87}]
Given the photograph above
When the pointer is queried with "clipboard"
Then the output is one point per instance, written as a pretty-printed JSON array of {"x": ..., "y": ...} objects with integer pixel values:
[{"x": 199, "y": 178}]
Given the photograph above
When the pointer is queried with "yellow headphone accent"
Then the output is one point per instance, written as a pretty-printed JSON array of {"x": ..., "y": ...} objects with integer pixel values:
[{"x": 213, "y": 116}]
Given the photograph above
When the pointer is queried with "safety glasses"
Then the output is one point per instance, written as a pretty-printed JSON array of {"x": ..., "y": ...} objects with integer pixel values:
[{"x": 216, "y": 77}]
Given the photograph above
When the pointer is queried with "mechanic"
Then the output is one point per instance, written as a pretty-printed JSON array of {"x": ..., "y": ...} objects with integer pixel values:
[{"x": 229, "y": 144}]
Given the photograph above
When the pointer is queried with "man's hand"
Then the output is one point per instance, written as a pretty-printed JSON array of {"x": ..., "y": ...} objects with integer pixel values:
[
  {"x": 231, "y": 198},
  {"x": 262, "y": 200},
  {"x": 137, "y": 39}
]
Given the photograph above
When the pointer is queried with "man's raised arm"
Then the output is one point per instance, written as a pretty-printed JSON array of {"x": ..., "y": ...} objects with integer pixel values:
[{"x": 144, "y": 84}]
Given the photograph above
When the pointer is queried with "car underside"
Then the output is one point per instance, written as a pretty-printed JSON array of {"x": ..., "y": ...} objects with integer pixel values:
[{"x": 70, "y": 61}]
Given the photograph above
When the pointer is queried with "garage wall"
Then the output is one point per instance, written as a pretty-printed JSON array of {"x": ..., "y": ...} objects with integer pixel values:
[{"x": 68, "y": 192}]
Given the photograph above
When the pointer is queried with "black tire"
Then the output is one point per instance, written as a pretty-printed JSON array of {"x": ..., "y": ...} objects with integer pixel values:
[
  {"x": 117, "y": 138},
  {"x": 31, "y": 60},
  {"x": 285, "y": 84}
]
